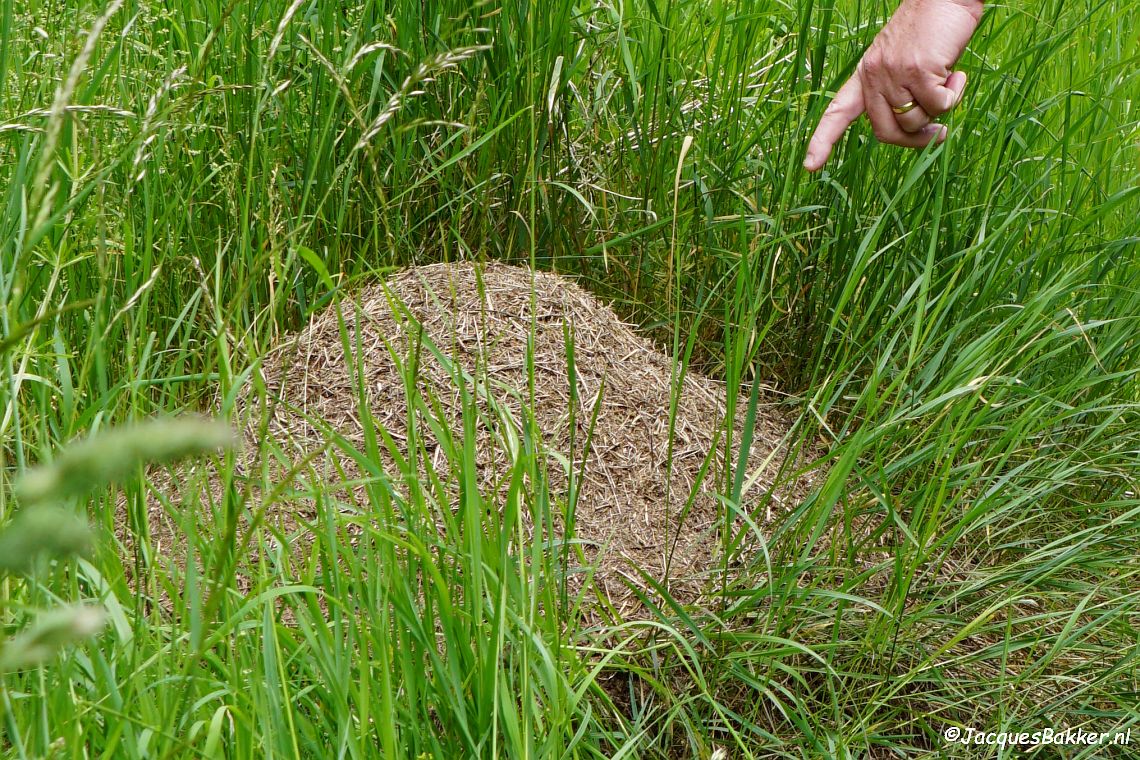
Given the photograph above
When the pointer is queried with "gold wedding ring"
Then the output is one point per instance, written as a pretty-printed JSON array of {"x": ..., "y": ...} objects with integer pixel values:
[{"x": 907, "y": 106}]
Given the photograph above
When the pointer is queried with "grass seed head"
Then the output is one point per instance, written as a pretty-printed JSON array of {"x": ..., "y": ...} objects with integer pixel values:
[
  {"x": 114, "y": 455},
  {"x": 51, "y": 632},
  {"x": 39, "y": 531}
]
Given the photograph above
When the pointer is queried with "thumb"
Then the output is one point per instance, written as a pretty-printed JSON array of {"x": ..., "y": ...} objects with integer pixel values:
[{"x": 845, "y": 107}]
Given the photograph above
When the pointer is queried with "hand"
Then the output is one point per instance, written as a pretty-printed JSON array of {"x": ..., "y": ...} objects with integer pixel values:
[{"x": 910, "y": 61}]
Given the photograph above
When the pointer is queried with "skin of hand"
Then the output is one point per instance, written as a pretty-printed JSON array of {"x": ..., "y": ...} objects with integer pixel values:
[{"x": 911, "y": 59}]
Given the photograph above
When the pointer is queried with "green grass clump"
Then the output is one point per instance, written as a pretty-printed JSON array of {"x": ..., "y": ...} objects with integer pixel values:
[{"x": 956, "y": 330}]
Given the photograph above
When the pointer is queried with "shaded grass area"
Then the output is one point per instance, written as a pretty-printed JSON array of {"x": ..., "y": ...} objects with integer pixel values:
[{"x": 956, "y": 329}]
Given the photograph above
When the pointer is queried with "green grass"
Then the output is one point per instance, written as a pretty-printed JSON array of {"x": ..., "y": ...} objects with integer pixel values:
[{"x": 956, "y": 331}]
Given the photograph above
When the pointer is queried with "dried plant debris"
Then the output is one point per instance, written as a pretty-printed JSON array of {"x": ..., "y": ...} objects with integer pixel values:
[{"x": 645, "y": 485}]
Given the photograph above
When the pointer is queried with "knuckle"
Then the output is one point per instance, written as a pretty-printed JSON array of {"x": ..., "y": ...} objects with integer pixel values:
[
  {"x": 943, "y": 102},
  {"x": 871, "y": 65}
]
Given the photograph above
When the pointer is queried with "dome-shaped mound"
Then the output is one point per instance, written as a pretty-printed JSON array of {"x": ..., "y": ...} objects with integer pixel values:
[{"x": 465, "y": 330}]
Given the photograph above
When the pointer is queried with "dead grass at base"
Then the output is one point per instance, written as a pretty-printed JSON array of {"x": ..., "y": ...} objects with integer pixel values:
[{"x": 633, "y": 512}]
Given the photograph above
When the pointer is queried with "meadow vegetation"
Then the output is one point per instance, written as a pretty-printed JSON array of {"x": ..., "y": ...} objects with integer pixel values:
[{"x": 956, "y": 331}]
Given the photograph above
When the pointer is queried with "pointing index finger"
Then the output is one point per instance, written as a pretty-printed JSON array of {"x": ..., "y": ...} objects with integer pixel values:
[{"x": 845, "y": 107}]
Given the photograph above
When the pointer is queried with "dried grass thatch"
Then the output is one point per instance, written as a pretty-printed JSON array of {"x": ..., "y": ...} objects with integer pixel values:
[{"x": 633, "y": 508}]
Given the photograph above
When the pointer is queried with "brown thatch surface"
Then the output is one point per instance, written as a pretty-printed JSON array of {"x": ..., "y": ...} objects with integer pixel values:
[{"x": 631, "y": 508}]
